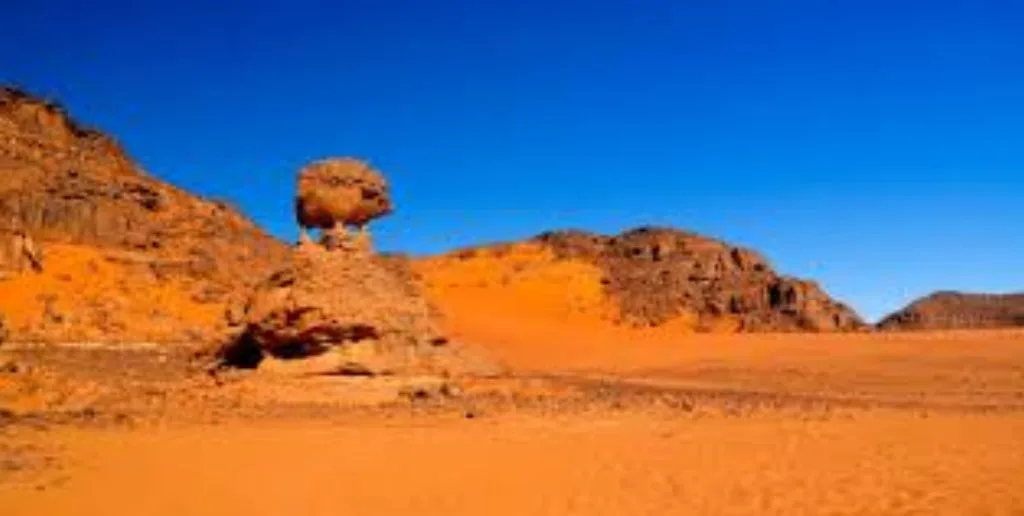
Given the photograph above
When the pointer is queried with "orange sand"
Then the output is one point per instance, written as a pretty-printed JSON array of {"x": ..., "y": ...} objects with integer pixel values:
[
  {"x": 520, "y": 281},
  {"x": 518, "y": 301},
  {"x": 871, "y": 461},
  {"x": 83, "y": 280},
  {"x": 881, "y": 464}
]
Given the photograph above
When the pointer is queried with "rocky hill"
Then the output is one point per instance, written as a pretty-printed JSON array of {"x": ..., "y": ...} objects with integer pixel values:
[
  {"x": 125, "y": 255},
  {"x": 92, "y": 247},
  {"x": 644, "y": 278},
  {"x": 958, "y": 310}
]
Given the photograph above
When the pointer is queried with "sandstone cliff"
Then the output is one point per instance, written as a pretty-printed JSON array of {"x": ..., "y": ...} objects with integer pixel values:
[
  {"x": 957, "y": 310},
  {"x": 126, "y": 256},
  {"x": 645, "y": 278}
]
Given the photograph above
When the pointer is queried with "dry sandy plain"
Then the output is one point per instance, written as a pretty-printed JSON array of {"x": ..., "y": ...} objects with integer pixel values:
[{"x": 599, "y": 423}]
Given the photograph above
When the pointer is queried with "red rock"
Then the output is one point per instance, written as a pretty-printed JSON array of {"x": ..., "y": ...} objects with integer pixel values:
[
  {"x": 957, "y": 310},
  {"x": 339, "y": 192},
  {"x": 64, "y": 184}
]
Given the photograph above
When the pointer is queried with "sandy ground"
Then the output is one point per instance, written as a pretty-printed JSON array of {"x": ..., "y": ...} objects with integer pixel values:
[
  {"x": 881, "y": 464},
  {"x": 772, "y": 424}
]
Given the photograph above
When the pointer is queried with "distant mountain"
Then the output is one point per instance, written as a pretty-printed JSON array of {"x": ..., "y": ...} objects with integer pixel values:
[{"x": 958, "y": 310}]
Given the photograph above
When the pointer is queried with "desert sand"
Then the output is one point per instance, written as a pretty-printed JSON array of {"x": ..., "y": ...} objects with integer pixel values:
[{"x": 909, "y": 423}]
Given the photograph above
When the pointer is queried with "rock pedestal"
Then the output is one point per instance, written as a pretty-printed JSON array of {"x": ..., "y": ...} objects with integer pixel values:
[{"x": 343, "y": 308}]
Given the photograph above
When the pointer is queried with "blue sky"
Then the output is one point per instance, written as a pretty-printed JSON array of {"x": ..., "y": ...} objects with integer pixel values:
[{"x": 876, "y": 146}]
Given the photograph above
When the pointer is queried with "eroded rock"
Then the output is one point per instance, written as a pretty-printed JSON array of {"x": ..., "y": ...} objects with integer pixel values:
[
  {"x": 18, "y": 252},
  {"x": 657, "y": 274},
  {"x": 67, "y": 186},
  {"x": 338, "y": 192},
  {"x": 337, "y": 307},
  {"x": 958, "y": 310}
]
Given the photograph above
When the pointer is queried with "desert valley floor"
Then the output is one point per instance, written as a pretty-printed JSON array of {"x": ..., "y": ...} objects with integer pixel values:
[{"x": 875, "y": 423}]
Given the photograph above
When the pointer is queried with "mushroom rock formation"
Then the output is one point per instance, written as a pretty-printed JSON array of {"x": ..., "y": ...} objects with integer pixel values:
[
  {"x": 335, "y": 299},
  {"x": 338, "y": 192}
]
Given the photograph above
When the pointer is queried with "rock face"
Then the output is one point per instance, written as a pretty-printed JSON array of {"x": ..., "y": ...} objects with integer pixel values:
[
  {"x": 644, "y": 278},
  {"x": 341, "y": 302},
  {"x": 957, "y": 310},
  {"x": 70, "y": 187},
  {"x": 656, "y": 274},
  {"x": 341, "y": 307},
  {"x": 339, "y": 192},
  {"x": 19, "y": 254}
]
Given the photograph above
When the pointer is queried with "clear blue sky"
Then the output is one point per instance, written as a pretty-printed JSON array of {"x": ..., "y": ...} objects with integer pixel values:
[{"x": 876, "y": 146}]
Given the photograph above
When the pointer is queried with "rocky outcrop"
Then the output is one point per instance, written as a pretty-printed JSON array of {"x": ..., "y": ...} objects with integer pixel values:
[
  {"x": 342, "y": 302},
  {"x": 339, "y": 192},
  {"x": 656, "y": 274},
  {"x": 63, "y": 184},
  {"x": 652, "y": 276},
  {"x": 343, "y": 309},
  {"x": 958, "y": 310},
  {"x": 18, "y": 254}
]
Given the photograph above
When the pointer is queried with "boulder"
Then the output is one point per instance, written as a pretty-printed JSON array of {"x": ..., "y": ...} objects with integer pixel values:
[{"x": 338, "y": 192}]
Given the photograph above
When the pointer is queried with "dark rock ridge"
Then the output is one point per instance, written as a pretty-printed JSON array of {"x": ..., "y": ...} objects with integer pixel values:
[
  {"x": 949, "y": 310},
  {"x": 656, "y": 274}
]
